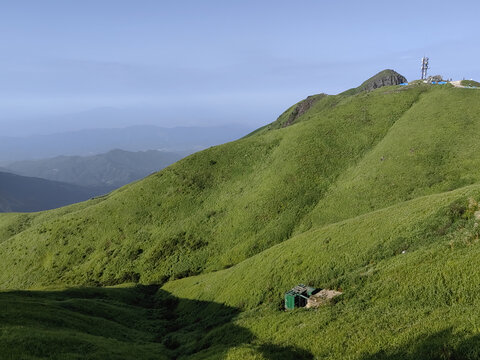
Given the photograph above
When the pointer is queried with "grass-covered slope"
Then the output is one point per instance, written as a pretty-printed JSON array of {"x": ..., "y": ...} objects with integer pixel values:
[
  {"x": 408, "y": 273},
  {"x": 433, "y": 148},
  {"x": 121, "y": 323},
  {"x": 208, "y": 211},
  {"x": 115, "y": 323},
  {"x": 470, "y": 83},
  {"x": 374, "y": 194}
]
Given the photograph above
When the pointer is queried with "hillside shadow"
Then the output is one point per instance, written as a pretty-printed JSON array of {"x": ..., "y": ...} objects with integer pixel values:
[
  {"x": 443, "y": 345},
  {"x": 140, "y": 322}
]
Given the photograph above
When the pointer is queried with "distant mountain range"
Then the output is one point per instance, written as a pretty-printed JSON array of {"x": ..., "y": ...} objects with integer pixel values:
[
  {"x": 27, "y": 194},
  {"x": 43, "y": 180},
  {"x": 134, "y": 138},
  {"x": 111, "y": 170}
]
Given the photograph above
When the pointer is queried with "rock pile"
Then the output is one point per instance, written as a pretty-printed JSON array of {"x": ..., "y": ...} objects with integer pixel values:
[{"x": 322, "y": 297}]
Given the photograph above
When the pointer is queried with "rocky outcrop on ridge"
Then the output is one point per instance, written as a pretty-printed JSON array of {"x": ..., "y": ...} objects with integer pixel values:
[{"x": 384, "y": 78}]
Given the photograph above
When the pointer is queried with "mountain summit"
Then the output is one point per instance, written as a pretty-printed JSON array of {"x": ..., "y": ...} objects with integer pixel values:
[
  {"x": 386, "y": 77},
  {"x": 383, "y": 78}
]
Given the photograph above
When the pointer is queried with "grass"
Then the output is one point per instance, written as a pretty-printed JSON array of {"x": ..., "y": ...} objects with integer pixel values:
[
  {"x": 431, "y": 149},
  {"x": 319, "y": 256},
  {"x": 374, "y": 194},
  {"x": 392, "y": 301},
  {"x": 81, "y": 324},
  {"x": 128, "y": 322},
  {"x": 209, "y": 211},
  {"x": 421, "y": 304},
  {"x": 470, "y": 83}
]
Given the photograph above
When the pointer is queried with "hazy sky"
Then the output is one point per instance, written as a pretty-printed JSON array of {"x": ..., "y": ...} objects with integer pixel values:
[{"x": 195, "y": 62}]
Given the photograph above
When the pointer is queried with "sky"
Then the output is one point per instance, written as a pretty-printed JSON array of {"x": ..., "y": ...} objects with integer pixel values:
[{"x": 209, "y": 62}]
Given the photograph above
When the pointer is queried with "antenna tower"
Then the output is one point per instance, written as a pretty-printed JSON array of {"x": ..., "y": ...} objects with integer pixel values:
[{"x": 424, "y": 67}]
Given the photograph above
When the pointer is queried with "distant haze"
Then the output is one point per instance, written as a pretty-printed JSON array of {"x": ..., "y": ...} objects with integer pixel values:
[
  {"x": 110, "y": 118},
  {"x": 133, "y": 138},
  {"x": 212, "y": 62}
]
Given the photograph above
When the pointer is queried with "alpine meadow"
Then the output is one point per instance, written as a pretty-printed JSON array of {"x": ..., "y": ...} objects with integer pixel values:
[{"x": 374, "y": 192}]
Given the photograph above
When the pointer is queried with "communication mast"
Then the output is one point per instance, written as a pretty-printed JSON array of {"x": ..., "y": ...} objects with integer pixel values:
[{"x": 424, "y": 67}]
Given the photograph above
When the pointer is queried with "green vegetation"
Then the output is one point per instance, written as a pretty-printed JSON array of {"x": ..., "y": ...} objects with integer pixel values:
[
  {"x": 127, "y": 322},
  {"x": 209, "y": 211},
  {"x": 115, "y": 323},
  {"x": 392, "y": 300},
  {"x": 294, "y": 113},
  {"x": 431, "y": 149},
  {"x": 470, "y": 83},
  {"x": 374, "y": 194}
]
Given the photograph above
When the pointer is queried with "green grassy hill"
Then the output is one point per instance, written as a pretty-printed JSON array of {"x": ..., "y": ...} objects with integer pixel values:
[
  {"x": 374, "y": 194},
  {"x": 209, "y": 211},
  {"x": 431, "y": 149}
]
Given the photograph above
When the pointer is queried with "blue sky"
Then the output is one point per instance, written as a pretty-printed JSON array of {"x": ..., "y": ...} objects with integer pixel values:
[{"x": 211, "y": 62}]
